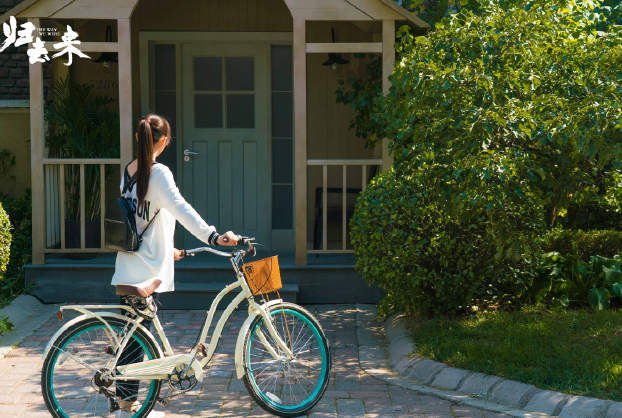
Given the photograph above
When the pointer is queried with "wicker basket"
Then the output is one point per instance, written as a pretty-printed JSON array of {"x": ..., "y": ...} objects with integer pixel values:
[{"x": 263, "y": 276}]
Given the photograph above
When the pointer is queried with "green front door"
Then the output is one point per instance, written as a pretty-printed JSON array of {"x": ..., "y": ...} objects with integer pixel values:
[{"x": 225, "y": 137}]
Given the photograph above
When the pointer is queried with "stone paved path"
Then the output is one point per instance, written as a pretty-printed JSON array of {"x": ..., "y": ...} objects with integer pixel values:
[{"x": 351, "y": 393}]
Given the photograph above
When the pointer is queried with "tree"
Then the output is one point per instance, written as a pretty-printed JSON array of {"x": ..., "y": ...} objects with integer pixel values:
[
  {"x": 518, "y": 95},
  {"x": 492, "y": 117}
]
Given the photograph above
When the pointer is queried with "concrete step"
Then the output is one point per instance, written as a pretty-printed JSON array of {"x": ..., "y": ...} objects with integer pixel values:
[{"x": 198, "y": 281}]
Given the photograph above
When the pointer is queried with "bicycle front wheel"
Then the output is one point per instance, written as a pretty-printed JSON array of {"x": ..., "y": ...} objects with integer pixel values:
[
  {"x": 70, "y": 379},
  {"x": 282, "y": 386}
]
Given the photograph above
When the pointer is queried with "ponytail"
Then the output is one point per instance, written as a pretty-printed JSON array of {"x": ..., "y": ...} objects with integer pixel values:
[{"x": 151, "y": 129}]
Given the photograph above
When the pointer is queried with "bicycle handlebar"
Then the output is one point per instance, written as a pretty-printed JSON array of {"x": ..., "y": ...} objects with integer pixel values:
[{"x": 247, "y": 241}]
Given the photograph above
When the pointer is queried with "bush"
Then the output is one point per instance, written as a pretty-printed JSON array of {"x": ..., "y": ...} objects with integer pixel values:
[
  {"x": 605, "y": 243},
  {"x": 565, "y": 280},
  {"x": 431, "y": 260},
  {"x": 19, "y": 211},
  {"x": 5, "y": 241},
  {"x": 5, "y": 325}
]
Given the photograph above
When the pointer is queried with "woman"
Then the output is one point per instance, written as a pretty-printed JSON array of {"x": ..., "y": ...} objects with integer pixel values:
[{"x": 155, "y": 198}]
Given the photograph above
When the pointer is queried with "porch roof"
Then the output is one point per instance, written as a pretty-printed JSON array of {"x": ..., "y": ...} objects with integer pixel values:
[{"x": 350, "y": 10}]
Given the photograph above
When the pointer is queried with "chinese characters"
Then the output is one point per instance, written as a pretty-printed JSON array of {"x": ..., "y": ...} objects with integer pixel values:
[{"x": 38, "y": 52}]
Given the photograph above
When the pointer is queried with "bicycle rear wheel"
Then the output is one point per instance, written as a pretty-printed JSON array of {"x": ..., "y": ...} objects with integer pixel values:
[
  {"x": 70, "y": 377},
  {"x": 284, "y": 387}
]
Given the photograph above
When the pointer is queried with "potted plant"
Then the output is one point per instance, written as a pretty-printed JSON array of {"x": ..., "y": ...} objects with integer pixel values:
[{"x": 81, "y": 124}]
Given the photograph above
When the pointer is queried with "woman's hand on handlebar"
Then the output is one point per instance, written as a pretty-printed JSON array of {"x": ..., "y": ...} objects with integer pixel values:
[
  {"x": 228, "y": 238},
  {"x": 178, "y": 254}
]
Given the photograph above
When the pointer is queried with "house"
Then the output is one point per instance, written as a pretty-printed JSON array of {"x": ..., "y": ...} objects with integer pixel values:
[{"x": 260, "y": 147}]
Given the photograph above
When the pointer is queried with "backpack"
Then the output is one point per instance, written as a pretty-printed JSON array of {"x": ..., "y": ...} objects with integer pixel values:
[{"x": 120, "y": 232}]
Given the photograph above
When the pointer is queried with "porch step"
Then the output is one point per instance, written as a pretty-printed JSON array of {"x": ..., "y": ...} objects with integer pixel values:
[{"x": 199, "y": 280}]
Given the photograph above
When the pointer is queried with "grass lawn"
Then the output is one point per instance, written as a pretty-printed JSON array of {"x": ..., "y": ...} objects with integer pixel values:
[{"x": 576, "y": 352}]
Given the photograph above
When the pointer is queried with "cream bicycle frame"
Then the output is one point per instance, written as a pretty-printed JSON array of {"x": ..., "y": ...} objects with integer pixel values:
[{"x": 162, "y": 368}]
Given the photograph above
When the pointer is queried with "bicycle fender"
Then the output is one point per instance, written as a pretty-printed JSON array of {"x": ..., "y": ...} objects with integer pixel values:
[
  {"x": 239, "y": 346},
  {"x": 102, "y": 318}
]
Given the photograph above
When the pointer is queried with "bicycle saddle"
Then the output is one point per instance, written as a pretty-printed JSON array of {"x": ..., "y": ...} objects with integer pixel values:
[{"x": 129, "y": 290}]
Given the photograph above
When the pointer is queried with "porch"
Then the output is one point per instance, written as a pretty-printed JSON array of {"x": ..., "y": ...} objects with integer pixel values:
[
  {"x": 260, "y": 147},
  {"x": 324, "y": 279}
]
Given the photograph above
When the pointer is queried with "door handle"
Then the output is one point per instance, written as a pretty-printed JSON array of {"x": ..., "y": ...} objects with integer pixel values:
[{"x": 188, "y": 152}]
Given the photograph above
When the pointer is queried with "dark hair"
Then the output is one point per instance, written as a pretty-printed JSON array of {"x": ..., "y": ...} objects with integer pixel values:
[{"x": 151, "y": 129}]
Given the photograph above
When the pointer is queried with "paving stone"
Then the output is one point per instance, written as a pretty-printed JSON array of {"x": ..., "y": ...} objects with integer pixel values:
[
  {"x": 478, "y": 384},
  {"x": 352, "y": 392},
  {"x": 512, "y": 393},
  {"x": 350, "y": 406},
  {"x": 450, "y": 378},
  {"x": 615, "y": 411},
  {"x": 465, "y": 411},
  {"x": 545, "y": 401},
  {"x": 583, "y": 407},
  {"x": 421, "y": 370},
  {"x": 348, "y": 385}
]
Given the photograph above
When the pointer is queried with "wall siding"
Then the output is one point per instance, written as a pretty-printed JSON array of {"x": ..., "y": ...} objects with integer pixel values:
[
  {"x": 214, "y": 15},
  {"x": 14, "y": 66}
]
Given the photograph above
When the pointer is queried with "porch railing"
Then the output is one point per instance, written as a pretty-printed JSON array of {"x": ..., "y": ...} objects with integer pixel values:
[
  {"x": 325, "y": 189},
  {"x": 55, "y": 171}
]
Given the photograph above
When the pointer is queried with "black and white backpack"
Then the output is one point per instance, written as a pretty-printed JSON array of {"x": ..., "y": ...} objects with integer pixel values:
[{"x": 120, "y": 232}]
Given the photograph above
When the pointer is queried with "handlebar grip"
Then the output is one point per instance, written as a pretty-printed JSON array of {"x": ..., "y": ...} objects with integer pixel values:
[{"x": 238, "y": 239}]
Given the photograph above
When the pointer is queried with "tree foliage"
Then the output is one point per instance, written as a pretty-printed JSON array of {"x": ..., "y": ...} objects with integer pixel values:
[
  {"x": 520, "y": 95},
  {"x": 82, "y": 124},
  {"x": 496, "y": 114}
]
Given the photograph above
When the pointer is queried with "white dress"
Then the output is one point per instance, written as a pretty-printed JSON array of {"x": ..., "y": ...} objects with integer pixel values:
[{"x": 154, "y": 258}]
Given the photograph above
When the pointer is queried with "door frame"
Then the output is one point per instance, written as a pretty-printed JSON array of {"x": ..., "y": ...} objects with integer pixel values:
[
  {"x": 257, "y": 209},
  {"x": 147, "y": 40}
]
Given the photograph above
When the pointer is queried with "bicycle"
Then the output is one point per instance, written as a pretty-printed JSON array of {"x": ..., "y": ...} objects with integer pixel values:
[{"x": 281, "y": 354}]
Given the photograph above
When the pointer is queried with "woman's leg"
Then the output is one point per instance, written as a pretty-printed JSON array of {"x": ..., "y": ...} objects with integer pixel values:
[{"x": 127, "y": 392}]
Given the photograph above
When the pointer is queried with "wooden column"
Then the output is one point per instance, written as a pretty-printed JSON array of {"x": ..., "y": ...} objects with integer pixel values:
[
  {"x": 388, "y": 57},
  {"x": 125, "y": 91},
  {"x": 36, "y": 159},
  {"x": 300, "y": 139}
]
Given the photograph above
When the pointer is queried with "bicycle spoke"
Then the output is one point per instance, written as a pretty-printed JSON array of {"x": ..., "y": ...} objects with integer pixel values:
[
  {"x": 73, "y": 371},
  {"x": 294, "y": 383},
  {"x": 77, "y": 360}
]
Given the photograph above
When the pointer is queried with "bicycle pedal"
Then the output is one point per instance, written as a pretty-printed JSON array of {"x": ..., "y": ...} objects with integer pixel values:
[
  {"x": 201, "y": 351},
  {"x": 164, "y": 402}
]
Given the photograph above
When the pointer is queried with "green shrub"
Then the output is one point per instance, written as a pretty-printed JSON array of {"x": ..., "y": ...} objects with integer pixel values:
[
  {"x": 430, "y": 260},
  {"x": 565, "y": 280},
  {"x": 19, "y": 211},
  {"x": 5, "y": 241},
  {"x": 605, "y": 243},
  {"x": 5, "y": 325}
]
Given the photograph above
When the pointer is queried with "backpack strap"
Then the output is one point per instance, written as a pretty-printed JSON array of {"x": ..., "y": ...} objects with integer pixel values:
[
  {"x": 127, "y": 183},
  {"x": 127, "y": 180},
  {"x": 140, "y": 237}
]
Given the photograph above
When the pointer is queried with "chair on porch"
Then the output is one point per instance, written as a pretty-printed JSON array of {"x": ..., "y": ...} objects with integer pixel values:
[{"x": 334, "y": 211}]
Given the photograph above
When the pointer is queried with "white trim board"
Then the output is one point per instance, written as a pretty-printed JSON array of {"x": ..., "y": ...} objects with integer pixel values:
[
  {"x": 15, "y": 103},
  {"x": 228, "y": 37}
]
